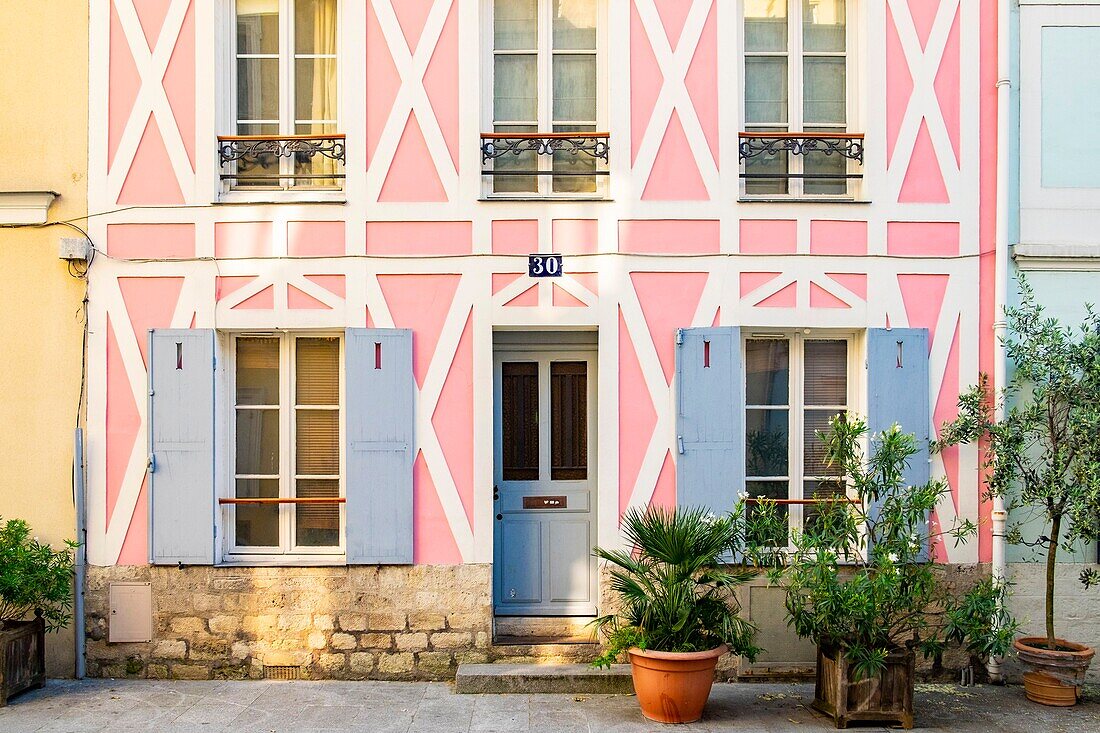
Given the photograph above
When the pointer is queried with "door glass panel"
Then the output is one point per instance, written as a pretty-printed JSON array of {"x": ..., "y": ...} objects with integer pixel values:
[
  {"x": 317, "y": 525},
  {"x": 826, "y": 373},
  {"x": 520, "y": 420},
  {"x": 568, "y": 420},
  {"x": 257, "y": 525},
  {"x": 257, "y": 442},
  {"x": 770, "y": 490},
  {"x": 767, "y": 366},
  {"x": 766, "y": 442},
  {"x": 258, "y": 372}
]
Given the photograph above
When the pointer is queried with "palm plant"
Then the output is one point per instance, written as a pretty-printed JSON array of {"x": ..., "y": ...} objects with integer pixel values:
[{"x": 676, "y": 595}]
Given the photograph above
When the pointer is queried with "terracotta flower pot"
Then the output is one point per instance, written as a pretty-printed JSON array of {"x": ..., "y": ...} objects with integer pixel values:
[
  {"x": 673, "y": 687},
  {"x": 1057, "y": 674}
]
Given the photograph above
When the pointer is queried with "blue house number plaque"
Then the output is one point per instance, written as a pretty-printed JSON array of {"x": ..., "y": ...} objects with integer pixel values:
[{"x": 544, "y": 265}]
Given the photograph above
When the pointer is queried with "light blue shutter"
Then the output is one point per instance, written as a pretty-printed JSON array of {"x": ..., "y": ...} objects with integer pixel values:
[
  {"x": 710, "y": 470},
  {"x": 181, "y": 446},
  {"x": 379, "y": 433},
  {"x": 898, "y": 391}
]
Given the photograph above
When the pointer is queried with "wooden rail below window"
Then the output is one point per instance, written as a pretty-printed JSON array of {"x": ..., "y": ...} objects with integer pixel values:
[
  {"x": 542, "y": 135},
  {"x": 333, "y": 136},
  {"x": 799, "y": 502},
  {"x": 281, "y": 500},
  {"x": 793, "y": 135}
]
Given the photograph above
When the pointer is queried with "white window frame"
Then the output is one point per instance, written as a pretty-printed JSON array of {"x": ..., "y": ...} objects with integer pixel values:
[
  {"x": 545, "y": 122},
  {"x": 796, "y": 402},
  {"x": 227, "y": 98},
  {"x": 852, "y": 110},
  {"x": 287, "y": 552}
]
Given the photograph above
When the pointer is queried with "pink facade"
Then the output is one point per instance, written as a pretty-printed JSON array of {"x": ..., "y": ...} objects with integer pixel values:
[{"x": 417, "y": 245}]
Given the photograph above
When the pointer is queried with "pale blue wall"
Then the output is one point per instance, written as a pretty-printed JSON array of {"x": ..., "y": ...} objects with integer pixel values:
[{"x": 1071, "y": 107}]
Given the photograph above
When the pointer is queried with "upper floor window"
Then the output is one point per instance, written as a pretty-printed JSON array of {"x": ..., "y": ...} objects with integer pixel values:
[
  {"x": 797, "y": 86},
  {"x": 545, "y": 115},
  {"x": 284, "y": 97}
]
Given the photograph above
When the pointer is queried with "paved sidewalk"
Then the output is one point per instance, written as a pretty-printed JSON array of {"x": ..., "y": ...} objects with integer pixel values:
[{"x": 408, "y": 707}]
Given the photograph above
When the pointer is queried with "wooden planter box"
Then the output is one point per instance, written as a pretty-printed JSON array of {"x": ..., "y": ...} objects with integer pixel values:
[
  {"x": 22, "y": 657},
  {"x": 887, "y": 697}
]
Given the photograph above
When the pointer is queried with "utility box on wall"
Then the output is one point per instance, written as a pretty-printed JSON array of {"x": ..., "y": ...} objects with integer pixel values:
[{"x": 131, "y": 616}]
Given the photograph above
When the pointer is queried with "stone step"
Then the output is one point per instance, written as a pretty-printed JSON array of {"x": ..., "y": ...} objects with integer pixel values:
[
  {"x": 544, "y": 678},
  {"x": 543, "y": 630}
]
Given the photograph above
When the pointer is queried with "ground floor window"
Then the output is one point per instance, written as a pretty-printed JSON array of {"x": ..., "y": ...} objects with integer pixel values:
[
  {"x": 287, "y": 458},
  {"x": 794, "y": 384}
]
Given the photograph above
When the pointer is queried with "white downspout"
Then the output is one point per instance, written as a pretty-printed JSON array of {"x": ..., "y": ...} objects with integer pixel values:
[{"x": 1000, "y": 287}]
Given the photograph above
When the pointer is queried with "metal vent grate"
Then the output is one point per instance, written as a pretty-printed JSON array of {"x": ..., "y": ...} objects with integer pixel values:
[{"x": 282, "y": 672}]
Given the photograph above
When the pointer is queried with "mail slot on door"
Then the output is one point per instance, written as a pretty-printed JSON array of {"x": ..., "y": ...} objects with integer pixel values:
[{"x": 544, "y": 502}]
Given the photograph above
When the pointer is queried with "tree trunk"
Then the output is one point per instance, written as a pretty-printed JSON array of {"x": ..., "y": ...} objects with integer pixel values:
[{"x": 1052, "y": 559}]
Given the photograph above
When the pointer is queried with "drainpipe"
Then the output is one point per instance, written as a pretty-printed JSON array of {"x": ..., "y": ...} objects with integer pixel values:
[
  {"x": 81, "y": 537},
  {"x": 1000, "y": 287}
]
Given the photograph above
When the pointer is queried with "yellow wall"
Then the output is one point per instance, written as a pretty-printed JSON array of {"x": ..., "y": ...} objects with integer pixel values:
[{"x": 43, "y": 128}]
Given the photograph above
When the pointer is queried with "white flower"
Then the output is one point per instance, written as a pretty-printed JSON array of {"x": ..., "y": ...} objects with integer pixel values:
[
  {"x": 893, "y": 557},
  {"x": 743, "y": 495}
]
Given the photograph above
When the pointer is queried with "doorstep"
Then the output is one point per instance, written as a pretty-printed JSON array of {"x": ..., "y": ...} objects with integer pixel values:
[
  {"x": 518, "y": 630},
  {"x": 544, "y": 678}
]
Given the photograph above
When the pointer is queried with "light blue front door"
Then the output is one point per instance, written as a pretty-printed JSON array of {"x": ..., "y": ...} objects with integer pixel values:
[{"x": 544, "y": 498}]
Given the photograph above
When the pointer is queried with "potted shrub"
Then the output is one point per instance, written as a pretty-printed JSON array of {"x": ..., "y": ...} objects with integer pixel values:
[
  {"x": 678, "y": 613},
  {"x": 1043, "y": 456},
  {"x": 859, "y": 584},
  {"x": 34, "y": 579}
]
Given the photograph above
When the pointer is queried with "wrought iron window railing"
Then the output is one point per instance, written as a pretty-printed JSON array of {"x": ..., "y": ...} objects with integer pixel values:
[
  {"x": 546, "y": 163},
  {"x": 282, "y": 162},
  {"x": 811, "y": 163}
]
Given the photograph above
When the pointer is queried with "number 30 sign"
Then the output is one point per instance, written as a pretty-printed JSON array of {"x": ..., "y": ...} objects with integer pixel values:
[{"x": 544, "y": 265}]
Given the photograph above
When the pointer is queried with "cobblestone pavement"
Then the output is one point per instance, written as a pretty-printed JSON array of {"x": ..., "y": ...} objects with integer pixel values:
[{"x": 409, "y": 707}]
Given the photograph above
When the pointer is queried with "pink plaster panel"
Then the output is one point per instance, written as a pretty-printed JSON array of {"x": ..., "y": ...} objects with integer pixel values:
[
  {"x": 179, "y": 83},
  {"x": 124, "y": 82},
  {"x": 151, "y": 241},
  {"x": 785, "y": 298},
  {"x": 226, "y": 285},
  {"x": 135, "y": 545},
  {"x": 335, "y": 284},
  {"x": 419, "y": 237},
  {"x": 669, "y": 236},
  {"x": 575, "y": 236},
  {"x": 922, "y": 238},
  {"x": 924, "y": 17},
  {"x": 750, "y": 282},
  {"x": 383, "y": 82},
  {"x": 853, "y": 281},
  {"x": 453, "y": 419},
  {"x": 637, "y": 418},
  {"x": 150, "y": 303},
  {"x": 515, "y": 237},
  {"x": 236, "y": 239},
  {"x": 822, "y": 298},
  {"x": 315, "y": 238},
  {"x": 590, "y": 281},
  {"x": 123, "y": 421},
  {"x": 669, "y": 301},
  {"x": 645, "y": 81},
  {"x": 412, "y": 175},
  {"x": 899, "y": 84},
  {"x": 441, "y": 82},
  {"x": 151, "y": 179},
  {"x": 768, "y": 236},
  {"x": 529, "y": 298},
  {"x": 702, "y": 79},
  {"x": 420, "y": 302},
  {"x": 433, "y": 541},
  {"x": 411, "y": 16},
  {"x": 502, "y": 280},
  {"x": 261, "y": 301},
  {"x": 673, "y": 17},
  {"x": 151, "y": 14},
  {"x": 923, "y": 182},
  {"x": 563, "y": 299},
  {"x": 838, "y": 237},
  {"x": 298, "y": 300},
  {"x": 946, "y": 409},
  {"x": 675, "y": 175},
  {"x": 923, "y": 298},
  {"x": 947, "y": 86},
  {"x": 664, "y": 492}
]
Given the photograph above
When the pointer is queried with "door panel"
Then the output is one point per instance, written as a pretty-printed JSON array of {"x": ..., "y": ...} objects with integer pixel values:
[{"x": 544, "y": 481}]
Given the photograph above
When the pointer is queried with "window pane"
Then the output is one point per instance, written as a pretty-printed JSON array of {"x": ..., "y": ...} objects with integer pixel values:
[
  {"x": 823, "y": 24},
  {"x": 526, "y": 161},
  {"x": 826, "y": 369},
  {"x": 574, "y": 88},
  {"x": 519, "y": 406},
  {"x": 824, "y": 88},
  {"x": 770, "y": 490},
  {"x": 773, "y": 169},
  {"x": 257, "y": 26},
  {"x": 766, "y": 440},
  {"x": 257, "y": 89},
  {"x": 256, "y": 525},
  {"x": 317, "y": 371},
  {"x": 820, "y": 490},
  {"x": 314, "y": 89},
  {"x": 813, "y": 461},
  {"x": 317, "y": 442},
  {"x": 315, "y": 26},
  {"x": 515, "y": 24},
  {"x": 515, "y": 96},
  {"x": 765, "y": 90},
  {"x": 566, "y": 162},
  {"x": 568, "y": 420},
  {"x": 257, "y": 442},
  {"x": 317, "y": 525},
  {"x": 257, "y": 371},
  {"x": 820, "y": 164},
  {"x": 765, "y": 25},
  {"x": 767, "y": 369},
  {"x": 574, "y": 24}
]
